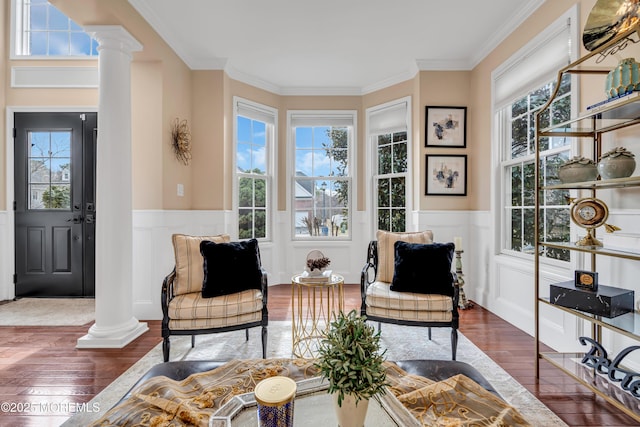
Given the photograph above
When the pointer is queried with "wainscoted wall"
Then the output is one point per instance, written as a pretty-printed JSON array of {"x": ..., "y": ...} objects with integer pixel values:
[
  {"x": 501, "y": 283},
  {"x": 6, "y": 256}
]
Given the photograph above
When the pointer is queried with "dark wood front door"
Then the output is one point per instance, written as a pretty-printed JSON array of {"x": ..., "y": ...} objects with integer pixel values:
[{"x": 55, "y": 204}]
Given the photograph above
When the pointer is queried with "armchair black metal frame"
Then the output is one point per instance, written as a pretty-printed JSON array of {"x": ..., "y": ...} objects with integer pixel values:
[
  {"x": 366, "y": 280},
  {"x": 168, "y": 294}
]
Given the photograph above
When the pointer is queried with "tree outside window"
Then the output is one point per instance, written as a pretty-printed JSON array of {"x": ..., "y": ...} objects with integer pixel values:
[
  {"x": 322, "y": 184},
  {"x": 519, "y": 171},
  {"x": 391, "y": 181},
  {"x": 252, "y": 176}
]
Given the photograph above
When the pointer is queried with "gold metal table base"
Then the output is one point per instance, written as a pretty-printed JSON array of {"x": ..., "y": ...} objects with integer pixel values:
[{"x": 314, "y": 307}]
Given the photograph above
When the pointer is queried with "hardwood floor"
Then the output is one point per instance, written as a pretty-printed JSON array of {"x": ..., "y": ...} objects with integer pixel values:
[{"x": 41, "y": 368}]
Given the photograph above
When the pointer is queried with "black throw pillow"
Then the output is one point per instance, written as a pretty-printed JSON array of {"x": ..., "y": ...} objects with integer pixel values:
[
  {"x": 423, "y": 268},
  {"x": 230, "y": 267}
]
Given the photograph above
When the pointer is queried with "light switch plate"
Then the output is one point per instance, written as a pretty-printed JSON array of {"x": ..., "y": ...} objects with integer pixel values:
[{"x": 180, "y": 190}]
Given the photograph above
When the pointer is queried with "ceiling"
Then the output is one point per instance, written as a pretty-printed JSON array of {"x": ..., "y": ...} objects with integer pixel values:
[{"x": 332, "y": 46}]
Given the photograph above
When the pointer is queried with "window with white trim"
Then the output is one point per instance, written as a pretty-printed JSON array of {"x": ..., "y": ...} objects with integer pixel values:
[
  {"x": 388, "y": 132},
  {"x": 521, "y": 87},
  {"x": 322, "y": 181},
  {"x": 41, "y": 30},
  {"x": 255, "y": 136}
]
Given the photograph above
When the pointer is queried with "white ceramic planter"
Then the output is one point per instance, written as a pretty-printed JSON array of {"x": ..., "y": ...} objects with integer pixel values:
[{"x": 350, "y": 415}]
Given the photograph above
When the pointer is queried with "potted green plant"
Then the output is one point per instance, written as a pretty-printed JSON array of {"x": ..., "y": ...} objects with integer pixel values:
[{"x": 349, "y": 357}]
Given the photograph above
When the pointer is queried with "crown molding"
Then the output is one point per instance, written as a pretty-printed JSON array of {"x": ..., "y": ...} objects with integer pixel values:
[{"x": 504, "y": 31}]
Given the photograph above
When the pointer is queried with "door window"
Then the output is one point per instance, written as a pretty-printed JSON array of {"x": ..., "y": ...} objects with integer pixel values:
[{"x": 49, "y": 167}]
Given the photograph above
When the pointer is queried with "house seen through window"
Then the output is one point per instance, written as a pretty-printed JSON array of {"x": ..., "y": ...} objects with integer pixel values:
[{"x": 322, "y": 181}]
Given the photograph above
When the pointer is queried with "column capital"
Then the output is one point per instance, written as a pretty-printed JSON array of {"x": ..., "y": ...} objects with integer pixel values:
[{"x": 114, "y": 37}]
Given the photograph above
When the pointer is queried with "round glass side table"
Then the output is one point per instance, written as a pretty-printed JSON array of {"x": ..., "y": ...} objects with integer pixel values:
[{"x": 315, "y": 303}]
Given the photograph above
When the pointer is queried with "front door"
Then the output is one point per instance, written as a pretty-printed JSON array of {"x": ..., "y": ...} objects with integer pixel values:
[{"x": 55, "y": 204}]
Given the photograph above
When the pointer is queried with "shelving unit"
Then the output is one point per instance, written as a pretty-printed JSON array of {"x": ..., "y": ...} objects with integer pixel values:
[{"x": 590, "y": 126}]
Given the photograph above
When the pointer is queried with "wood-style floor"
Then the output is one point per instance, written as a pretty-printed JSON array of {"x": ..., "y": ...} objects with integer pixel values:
[{"x": 40, "y": 367}]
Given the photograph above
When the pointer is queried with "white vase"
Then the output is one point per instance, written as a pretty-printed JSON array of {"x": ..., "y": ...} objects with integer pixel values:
[{"x": 350, "y": 414}]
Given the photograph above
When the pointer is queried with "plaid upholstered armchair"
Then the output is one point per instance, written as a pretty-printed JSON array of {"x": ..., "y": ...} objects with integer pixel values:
[
  {"x": 407, "y": 280},
  {"x": 216, "y": 286}
]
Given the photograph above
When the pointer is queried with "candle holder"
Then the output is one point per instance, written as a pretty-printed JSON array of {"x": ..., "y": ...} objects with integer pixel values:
[{"x": 462, "y": 299}]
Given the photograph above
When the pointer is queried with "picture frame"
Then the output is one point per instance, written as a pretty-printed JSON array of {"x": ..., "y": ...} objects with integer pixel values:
[
  {"x": 445, "y": 127},
  {"x": 586, "y": 280},
  {"x": 446, "y": 174}
]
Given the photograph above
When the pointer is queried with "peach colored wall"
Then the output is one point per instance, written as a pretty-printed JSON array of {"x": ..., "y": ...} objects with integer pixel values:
[
  {"x": 146, "y": 134},
  {"x": 208, "y": 139}
]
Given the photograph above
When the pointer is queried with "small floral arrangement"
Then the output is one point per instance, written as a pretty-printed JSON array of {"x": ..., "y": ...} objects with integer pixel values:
[
  {"x": 318, "y": 263},
  {"x": 579, "y": 160},
  {"x": 616, "y": 152}
]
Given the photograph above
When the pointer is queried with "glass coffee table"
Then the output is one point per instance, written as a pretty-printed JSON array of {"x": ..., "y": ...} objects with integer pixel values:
[{"x": 313, "y": 406}]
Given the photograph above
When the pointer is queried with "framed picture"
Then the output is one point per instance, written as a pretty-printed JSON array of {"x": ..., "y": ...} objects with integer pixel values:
[
  {"x": 446, "y": 127},
  {"x": 446, "y": 175}
]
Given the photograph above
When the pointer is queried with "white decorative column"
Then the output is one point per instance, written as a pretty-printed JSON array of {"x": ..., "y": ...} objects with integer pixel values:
[{"x": 115, "y": 326}]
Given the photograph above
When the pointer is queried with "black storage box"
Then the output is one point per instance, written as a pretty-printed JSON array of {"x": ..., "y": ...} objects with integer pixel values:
[{"x": 607, "y": 301}]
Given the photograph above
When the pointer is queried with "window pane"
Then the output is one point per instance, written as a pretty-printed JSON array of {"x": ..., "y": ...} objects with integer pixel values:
[
  {"x": 516, "y": 185},
  {"x": 384, "y": 139},
  {"x": 516, "y": 230},
  {"x": 260, "y": 193},
  {"x": 244, "y": 129},
  {"x": 398, "y": 220},
  {"x": 38, "y": 17},
  {"x": 540, "y": 97},
  {"x": 384, "y": 192},
  {"x": 59, "y": 44},
  {"x": 260, "y": 224},
  {"x": 245, "y": 192},
  {"x": 519, "y": 137},
  {"x": 398, "y": 192},
  {"x": 57, "y": 20},
  {"x": 399, "y": 136},
  {"x": 384, "y": 160},
  {"x": 519, "y": 107},
  {"x": 383, "y": 219},
  {"x": 304, "y": 137},
  {"x": 399, "y": 157},
  {"x": 38, "y": 44},
  {"x": 245, "y": 223},
  {"x": 259, "y": 133},
  {"x": 561, "y": 110},
  {"x": 529, "y": 185},
  {"x": 528, "y": 234},
  {"x": 243, "y": 157}
]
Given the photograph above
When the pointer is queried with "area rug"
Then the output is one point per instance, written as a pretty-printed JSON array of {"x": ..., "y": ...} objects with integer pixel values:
[
  {"x": 48, "y": 312},
  {"x": 401, "y": 342}
]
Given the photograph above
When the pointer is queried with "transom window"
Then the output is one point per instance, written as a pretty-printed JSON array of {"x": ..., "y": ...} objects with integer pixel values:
[
  {"x": 322, "y": 181},
  {"x": 42, "y": 30}
]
